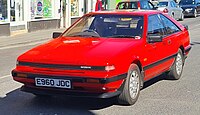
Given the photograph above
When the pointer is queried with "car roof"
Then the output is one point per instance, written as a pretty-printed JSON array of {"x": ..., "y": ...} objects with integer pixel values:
[{"x": 128, "y": 12}]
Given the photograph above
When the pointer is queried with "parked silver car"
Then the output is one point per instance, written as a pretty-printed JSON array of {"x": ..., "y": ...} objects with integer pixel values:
[{"x": 170, "y": 7}]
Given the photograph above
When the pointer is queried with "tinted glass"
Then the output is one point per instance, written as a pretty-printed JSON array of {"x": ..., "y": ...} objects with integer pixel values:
[
  {"x": 187, "y": 2},
  {"x": 155, "y": 27},
  {"x": 127, "y": 5},
  {"x": 144, "y": 5},
  {"x": 170, "y": 27},
  {"x": 107, "y": 26},
  {"x": 163, "y": 4}
]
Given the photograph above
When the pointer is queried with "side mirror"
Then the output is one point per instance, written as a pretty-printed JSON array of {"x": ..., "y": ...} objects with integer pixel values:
[
  {"x": 56, "y": 34},
  {"x": 185, "y": 26},
  {"x": 154, "y": 38}
]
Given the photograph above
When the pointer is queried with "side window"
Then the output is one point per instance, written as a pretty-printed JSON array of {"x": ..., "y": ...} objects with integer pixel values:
[
  {"x": 144, "y": 5},
  {"x": 171, "y": 4},
  {"x": 155, "y": 27},
  {"x": 151, "y": 6},
  {"x": 174, "y": 4},
  {"x": 170, "y": 27}
]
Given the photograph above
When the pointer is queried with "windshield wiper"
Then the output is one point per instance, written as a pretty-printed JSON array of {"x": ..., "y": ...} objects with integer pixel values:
[
  {"x": 83, "y": 35},
  {"x": 122, "y": 36}
]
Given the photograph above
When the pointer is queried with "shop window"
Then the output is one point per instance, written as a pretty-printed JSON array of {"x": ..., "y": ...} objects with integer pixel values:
[
  {"x": 3, "y": 11},
  {"x": 74, "y": 7},
  {"x": 41, "y": 9}
]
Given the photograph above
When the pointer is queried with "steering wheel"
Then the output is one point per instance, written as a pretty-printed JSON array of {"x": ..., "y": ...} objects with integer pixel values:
[{"x": 92, "y": 31}]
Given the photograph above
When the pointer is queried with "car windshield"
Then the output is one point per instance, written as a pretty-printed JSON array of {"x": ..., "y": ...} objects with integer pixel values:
[
  {"x": 163, "y": 4},
  {"x": 127, "y": 5},
  {"x": 187, "y": 2},
  {"x": 107, "y": 26}
]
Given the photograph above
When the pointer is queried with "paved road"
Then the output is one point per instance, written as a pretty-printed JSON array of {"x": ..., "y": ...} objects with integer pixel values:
[{"x": 160, "y": 96}]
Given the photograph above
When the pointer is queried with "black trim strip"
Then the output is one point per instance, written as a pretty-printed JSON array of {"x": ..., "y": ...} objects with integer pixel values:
[
  {"x": 60, "y": 66},
  {"x": 47, "y": 91},
  {"x": 159, "y": 62},
  {"x": 74, "y": 79}
]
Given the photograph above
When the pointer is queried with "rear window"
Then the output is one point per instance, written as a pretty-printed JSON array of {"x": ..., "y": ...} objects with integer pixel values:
[
  {"x": 163, "y": 4},
  {"x": 127, "y": 5},
  {"x": 187, "y": 2}
]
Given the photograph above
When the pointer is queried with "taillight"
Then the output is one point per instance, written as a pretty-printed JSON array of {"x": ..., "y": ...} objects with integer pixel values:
[
  {"x": 138, "y": 3},
  {"x": 165, "y": 10}
]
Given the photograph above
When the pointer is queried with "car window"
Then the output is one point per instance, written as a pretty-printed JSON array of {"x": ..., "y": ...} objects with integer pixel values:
[
  {"x": 127, "y": 5},
  {"x": 155, "y": 27},
  {"x": 187, "y": 2},
  {"x": 144, "y": 5},
  {"x": 170, "y": 27},
  {"x": 163, "y": 4},
  {"x": 151, "y": 6},
  {"x": 120, "y": 26},
  {"x": 173, "y": 4}
]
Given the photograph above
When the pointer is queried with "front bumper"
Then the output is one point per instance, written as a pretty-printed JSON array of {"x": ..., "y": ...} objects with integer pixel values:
[
  {"x": 106, "y": 88},
  {"x": 46, "y": 91},
  {"x": 188, "y": 13}
]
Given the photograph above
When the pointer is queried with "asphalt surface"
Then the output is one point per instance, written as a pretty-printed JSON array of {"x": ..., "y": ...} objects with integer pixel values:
[{"x": 159, "y": 97}]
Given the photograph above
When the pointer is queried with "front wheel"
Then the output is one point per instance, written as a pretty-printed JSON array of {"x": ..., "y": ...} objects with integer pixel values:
[
  {"x": 131, "y": 88},
  {"x": 182, "y": 17},
  {"x": 177, "y": 67}
]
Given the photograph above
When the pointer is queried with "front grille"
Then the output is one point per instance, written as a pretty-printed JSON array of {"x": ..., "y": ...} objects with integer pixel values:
[{"x": 61, "y": 66}]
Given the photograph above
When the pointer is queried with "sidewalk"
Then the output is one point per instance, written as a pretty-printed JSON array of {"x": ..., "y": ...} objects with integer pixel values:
[{"x": 41, "y": 35}]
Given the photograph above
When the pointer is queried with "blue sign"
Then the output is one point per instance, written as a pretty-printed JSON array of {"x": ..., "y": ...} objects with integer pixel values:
[{"x": 39, "y": 6}]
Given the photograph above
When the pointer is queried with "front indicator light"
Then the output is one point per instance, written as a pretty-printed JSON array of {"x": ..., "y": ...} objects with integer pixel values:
[
  {"x": 92, "y": 80},
  {"x": 110, "y": 68}
]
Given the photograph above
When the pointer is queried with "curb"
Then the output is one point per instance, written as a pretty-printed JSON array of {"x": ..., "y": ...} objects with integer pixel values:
[{"x": 26, "y": 42}]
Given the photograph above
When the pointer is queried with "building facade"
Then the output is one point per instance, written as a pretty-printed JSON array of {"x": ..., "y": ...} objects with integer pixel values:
[{"x": 33, "y": 15}]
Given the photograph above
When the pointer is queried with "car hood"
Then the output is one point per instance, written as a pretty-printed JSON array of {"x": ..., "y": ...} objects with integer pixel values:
[{"x": 84, "y": 51}]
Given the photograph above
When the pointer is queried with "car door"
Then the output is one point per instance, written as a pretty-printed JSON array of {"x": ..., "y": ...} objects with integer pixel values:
[
  {"x": 174, "y": 9},
  {"x": 169, "y": 46},
  {"x": 152, "y": 49},
  {"x": 178, "y": 10}
]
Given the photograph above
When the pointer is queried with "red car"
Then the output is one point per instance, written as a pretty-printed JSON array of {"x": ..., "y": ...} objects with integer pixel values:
[{"x": 106, "y": 54}]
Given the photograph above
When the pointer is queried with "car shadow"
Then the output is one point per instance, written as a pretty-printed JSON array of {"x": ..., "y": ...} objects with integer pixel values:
[
  {"x": 195, "y": 43},
  {"x": 19, "y": 103}
]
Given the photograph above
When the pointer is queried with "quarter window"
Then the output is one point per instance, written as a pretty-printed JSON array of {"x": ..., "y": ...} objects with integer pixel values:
[
  {"x": 170, "y": 27},
  {"x": 155, "y": 27}
]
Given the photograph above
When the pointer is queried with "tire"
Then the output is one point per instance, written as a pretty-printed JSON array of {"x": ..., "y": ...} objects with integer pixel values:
[
  {"x": 182, "y": 17},
  {"x": 177, "y": 67},
  {"x": 195, "y": 13},
  {"x": 131, "y": 88}
]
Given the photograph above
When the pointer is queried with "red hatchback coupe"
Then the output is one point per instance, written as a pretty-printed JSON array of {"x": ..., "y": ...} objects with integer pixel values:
[{"x": 106, "y": 54}]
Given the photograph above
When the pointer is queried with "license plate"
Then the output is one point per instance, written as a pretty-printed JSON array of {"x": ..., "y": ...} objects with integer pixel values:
[{"x": 47, "y": 82}]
